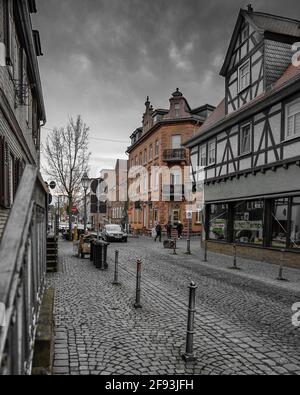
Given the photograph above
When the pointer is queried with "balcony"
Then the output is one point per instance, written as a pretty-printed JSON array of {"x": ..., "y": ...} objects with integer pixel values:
[{"x": 174, "y": 155}]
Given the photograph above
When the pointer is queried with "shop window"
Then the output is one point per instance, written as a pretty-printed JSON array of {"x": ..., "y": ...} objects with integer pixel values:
[
  {"x": 295, "y": 223},
  {"x": 249, "y": 222},
  {"x": 218, "y": 222},
  {"x": 280, "y": 222}
]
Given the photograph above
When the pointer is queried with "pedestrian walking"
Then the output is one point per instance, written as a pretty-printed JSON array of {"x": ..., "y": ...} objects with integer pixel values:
[
  {"x": 179, "y": 229},
  {"x": 158, "y": 229},
  {"x": 169, "y": 230}
]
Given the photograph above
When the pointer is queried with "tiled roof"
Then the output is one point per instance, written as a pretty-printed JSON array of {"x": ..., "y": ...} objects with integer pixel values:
[{"x": 275, "y": 24}]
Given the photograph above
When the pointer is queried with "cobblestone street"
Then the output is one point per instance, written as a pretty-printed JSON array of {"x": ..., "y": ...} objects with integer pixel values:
[{"x": 243, "y": 325}]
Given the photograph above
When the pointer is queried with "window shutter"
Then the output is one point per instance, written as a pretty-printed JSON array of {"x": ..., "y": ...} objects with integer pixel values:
[
  {"x": 2, "y": 178},
  {"x": 6, "y": 177},
  {"x": 8, "y": 4}
]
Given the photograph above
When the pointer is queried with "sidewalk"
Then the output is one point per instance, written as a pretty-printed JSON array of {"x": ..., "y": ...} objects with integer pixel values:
[{"x": 249, "y": 269}]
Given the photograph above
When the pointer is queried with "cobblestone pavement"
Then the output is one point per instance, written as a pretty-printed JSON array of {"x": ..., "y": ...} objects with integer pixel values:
[{"x": 242, "y": 326}]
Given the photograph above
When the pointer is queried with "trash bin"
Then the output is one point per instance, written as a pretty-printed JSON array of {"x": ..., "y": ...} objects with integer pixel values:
[
  {"x": 100, "y": 255},
  {"x": 92, "y": 250}
]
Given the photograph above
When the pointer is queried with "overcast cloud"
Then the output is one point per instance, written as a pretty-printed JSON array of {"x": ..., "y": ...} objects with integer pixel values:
[{"x": 103, "y": 57}]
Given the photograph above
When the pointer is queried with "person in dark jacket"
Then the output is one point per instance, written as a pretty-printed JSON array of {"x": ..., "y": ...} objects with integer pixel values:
[
  {"x": 179, "y": 229},
  {"x": 169, "y": 230},
  {"x": 158, "y": 229}
]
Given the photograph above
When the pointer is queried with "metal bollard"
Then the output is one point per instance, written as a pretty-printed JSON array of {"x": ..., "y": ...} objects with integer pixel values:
[
  {"x": 281, "y": 267},
  {"x": 205, "y": 252},
  {"x": 116, "y": 279},
  {"x": 189, "y": 355},
  {"x": 174, "y": 247},
  {"x": 188, "y": 246},
  {"x": 137, "y": 304},
  {"x": 235, "y": 266}
]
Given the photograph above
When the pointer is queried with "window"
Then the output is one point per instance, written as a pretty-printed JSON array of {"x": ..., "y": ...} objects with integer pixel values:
[
  {"x": 218, "y": 214},
  {"x": 245, "y": 140},
  {"x": 156, "y": 148},
  {"x": 203, "y": 156},
  {"x": 8, "y": 31},
  {"x": 295, "y": 223},
  {"x": 177, "y": 110},
  {"x": 156, "y": 179},
  {"x": 211, "y": 153},
  {"x": 248, "y": 222},
  {"x": 140, "y": 159},
  {"x": 280, "y": 222},
  {"x": 155, "y": 215},
  {"x": 293, "y": 119},
  {"x": 244, "y": 76},
  {"x": 199, "y": 217},
  {"x": 145, "y": 155},
  {"x": 151, "y": 152},
  {"x": 194, "y": 162},
  {"x": 176, "y": 141}
]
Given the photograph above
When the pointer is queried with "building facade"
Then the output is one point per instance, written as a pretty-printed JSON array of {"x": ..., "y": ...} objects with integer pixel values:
[
  {"x": 249, "y": 147},
  {"x": 157, "y": 161},
  {"x": 117, "y": 205},
  {"x": 22, "y": 111}
]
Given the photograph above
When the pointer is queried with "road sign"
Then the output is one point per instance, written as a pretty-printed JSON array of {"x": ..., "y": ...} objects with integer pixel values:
[
  {"x": 52, "y": 185},
  {"x": 189, "y": 215}
]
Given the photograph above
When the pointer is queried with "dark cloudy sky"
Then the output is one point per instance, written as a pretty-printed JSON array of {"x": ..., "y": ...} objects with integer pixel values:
[{"x": 103, "y": 57}]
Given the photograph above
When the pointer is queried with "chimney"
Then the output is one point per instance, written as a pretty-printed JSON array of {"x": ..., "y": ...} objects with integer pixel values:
[{"x": 250, "y": 8}]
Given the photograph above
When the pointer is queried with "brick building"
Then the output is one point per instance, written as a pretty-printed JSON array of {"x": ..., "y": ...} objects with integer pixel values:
[
  {"x": 157, "y": 145},
  {"x": 21, "y": 100},
  {"x": 250, "y": 145}
]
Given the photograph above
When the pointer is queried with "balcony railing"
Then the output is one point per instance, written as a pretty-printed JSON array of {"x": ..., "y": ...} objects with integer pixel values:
[
  {"x": 174, "y": 155},
  {"x": 22, "y": 274}
]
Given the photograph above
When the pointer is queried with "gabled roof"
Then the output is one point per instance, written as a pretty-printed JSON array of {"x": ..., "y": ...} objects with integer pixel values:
[
  {"x": 262, "y": 23},
  {"x": 218, "y": 117}
]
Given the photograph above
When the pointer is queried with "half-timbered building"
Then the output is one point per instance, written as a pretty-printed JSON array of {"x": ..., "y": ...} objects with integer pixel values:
[{"x": 249, "y": 148}]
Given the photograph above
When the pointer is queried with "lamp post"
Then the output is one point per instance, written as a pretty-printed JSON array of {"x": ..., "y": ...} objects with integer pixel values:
[{"x": 85, "y": 182}]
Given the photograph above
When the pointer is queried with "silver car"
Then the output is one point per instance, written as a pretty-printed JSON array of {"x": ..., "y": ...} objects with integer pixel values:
[{"x": 114, "y": 233}]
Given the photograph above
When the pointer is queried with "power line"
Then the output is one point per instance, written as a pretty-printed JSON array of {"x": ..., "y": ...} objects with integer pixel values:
[{"x": 98, "y": 138}]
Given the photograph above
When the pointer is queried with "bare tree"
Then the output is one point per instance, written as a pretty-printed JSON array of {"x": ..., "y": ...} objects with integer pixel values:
[{"x": 67, "y": 154}]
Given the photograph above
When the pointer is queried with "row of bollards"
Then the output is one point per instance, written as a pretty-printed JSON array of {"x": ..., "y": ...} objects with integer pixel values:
[
  {"x": 235, "y": 261},
  {"x": 189, "y": 355}
]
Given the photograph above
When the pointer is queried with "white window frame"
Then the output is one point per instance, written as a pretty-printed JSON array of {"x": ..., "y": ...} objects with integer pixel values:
[
  {"x": 241, "y": 135},
  {"x": 172, "y": 141},
  {"x": 150, "y": 152},
  {"x": 202, "y": 149},
  {"x": 240, "y": 87},
  {"x": 287, "y": 116},
  {"x": 211, "y": 160},
  {"x": 199, "y": 217},
  {"x": 156, "y": 148}
]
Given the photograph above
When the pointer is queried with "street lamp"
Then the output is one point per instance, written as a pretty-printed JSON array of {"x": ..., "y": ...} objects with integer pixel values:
[{"x": 85, "y": 182}]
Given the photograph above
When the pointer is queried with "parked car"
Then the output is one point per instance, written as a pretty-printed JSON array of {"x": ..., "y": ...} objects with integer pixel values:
[{"x": 114, "y": 233}]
